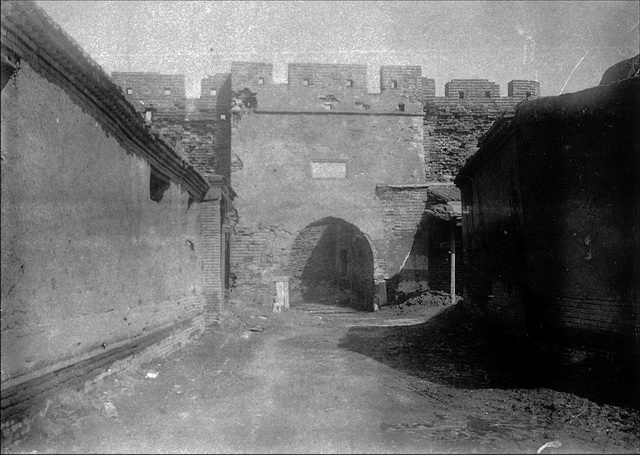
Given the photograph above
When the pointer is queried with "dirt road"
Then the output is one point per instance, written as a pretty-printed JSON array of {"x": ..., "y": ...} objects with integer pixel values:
[{"x": 326, "y": 379}]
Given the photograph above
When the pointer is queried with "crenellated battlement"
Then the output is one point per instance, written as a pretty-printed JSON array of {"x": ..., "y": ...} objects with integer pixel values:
[{"x": 307, "y": 88}]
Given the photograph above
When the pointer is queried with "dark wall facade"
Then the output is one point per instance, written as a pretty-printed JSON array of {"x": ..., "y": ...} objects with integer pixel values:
[
  {"x": 551, "y": 235},
  {"x": 108, "y": 233}
]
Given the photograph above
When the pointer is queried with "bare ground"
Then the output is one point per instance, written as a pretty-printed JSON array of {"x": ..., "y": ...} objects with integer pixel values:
[{"x": 418, "y": 378}]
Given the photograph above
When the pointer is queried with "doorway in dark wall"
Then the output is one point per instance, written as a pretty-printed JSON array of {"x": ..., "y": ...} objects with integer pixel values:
[{"x": 331, "y": 262}]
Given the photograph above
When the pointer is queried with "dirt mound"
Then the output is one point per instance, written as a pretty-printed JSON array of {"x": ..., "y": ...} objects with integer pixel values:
[{"x": 416, "y": 302}]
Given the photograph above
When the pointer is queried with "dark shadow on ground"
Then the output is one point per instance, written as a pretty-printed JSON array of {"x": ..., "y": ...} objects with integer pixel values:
[{"x": 451, "y": 349}]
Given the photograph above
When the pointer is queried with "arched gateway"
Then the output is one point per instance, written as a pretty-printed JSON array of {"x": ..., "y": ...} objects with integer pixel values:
[{"x": 331, "y": 261}]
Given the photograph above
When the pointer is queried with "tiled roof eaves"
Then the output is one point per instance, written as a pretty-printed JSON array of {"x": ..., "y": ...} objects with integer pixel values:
[{"x": 37, "y": 39}]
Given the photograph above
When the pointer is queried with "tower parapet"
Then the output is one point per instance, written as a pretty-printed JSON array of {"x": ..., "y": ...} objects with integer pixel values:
[
  {"x": 471, "y": 88},
  {"x": 250, "y": 75},
  {"x": 161, "y": 92},
  {"x": 328, "y": 75},
  {"x": 523, "y": 89},
  {"x": 406, "y": 81}
]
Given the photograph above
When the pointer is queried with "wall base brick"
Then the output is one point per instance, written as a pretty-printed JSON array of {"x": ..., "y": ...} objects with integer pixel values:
[{"x": 23, "y": 403}]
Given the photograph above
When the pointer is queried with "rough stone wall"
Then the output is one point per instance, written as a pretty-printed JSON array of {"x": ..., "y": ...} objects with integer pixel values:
[{"x": 90, "y": 264}]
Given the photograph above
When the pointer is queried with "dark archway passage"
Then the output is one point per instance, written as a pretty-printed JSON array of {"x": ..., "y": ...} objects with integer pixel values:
[{"x": 331, "y": 262}]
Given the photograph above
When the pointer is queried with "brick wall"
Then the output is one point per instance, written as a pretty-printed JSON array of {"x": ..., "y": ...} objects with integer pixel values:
[
  {"x": 258, "y": 254},
  {"x": 523, "y": 89},
  {"x": 331, "y": 76},
  {"x": 471, "y": 88},
  {"x": 194, "y": 127},
  {"x": 164, "y": 92},
  {"x": 215, "y": 91},
  {"x": 248, "y": 74},
  {"x": 452, "y": 128},
  {"x": 408, "y": 82},
  {"x": 206, "y": 144},
  {"x": 280, "y": 197}
]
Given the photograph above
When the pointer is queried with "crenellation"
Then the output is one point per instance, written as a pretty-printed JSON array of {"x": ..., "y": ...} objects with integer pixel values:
[
  {"x": 251, "y": 75},
  {"x": 471, "y": 88},
  {"x": 523, "y": 89},
  {"x": 332, "y": 76}
]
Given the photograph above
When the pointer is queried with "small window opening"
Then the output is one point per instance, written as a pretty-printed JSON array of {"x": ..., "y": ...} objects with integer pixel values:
[
  {"x": 148, "y": 115},
  {"x": 129, "y": 91},
  {"x": 260, "y": 80},
  {"x": 213, "y": 92},
  {"x": 167, "y": 90},
  {"x": 461, "y": 95},
  {"x": 487, "y": 94},
  {"x": 305, "y": 81},
  {"x": 394, "y": 84},
  {"x": 157, "y": 185},
  {"x": 527, "y": 94},
  {"x": 223, "y": 116},
  {"x": 401, "y": 107},
  {"x": 349, "y": 82}
]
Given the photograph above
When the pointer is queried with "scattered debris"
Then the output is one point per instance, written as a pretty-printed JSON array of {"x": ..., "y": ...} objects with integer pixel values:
[
  {"x": 550, "y": 444},
  {"x": 110, "y": 409}
]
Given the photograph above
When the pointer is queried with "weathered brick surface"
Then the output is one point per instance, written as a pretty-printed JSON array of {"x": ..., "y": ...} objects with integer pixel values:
[
  {"x": 523, "y": 89},
  {"x": 333, "y": 76},
  {"x": 452, "y": 128},
  {"x": 164, "y": 92},
  {"x": 248, "y": 74},
  {"x": 206, "y": 143},
  {"x": 408, "y": 82},
  {"x": 258, "y": 253},
  {"x": 212, "y": 267},
  {"x": 471, "y": 88}
]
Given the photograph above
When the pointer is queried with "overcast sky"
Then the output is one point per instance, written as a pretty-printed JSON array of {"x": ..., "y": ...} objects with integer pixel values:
[{"x": 499, "y": 41}]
